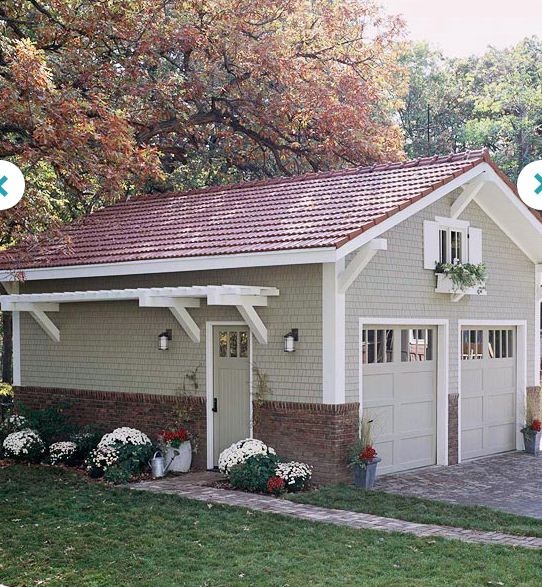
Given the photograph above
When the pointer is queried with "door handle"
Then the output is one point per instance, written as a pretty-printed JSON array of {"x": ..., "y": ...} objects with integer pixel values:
[{"x": 215, "y": 404}]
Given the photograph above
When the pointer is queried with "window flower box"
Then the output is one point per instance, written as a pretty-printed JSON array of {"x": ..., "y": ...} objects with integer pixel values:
[{"x": 446, "y": 285}]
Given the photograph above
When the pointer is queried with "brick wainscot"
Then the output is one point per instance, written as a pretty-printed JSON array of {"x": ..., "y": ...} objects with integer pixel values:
[{"x": 317, "y": 434}]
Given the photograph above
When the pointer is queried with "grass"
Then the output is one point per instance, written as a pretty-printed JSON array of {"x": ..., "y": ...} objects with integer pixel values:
[
  {"x": 414, "y": 509},
  {"x": 60, "y": 530}
]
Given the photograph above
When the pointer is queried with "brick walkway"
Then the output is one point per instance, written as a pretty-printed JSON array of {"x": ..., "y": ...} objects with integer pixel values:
[
  {"x": 510, "y": 482},
  {"x": 183, "y": 487}
]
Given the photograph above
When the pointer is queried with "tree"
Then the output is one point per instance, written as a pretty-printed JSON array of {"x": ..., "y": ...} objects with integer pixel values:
[
  {"x": 492, "y": 101},
  {"x": 100, "y": 100}
]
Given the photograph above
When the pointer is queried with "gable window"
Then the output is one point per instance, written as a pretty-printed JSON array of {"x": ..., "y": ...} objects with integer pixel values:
[{"x": 447, "y": 240}]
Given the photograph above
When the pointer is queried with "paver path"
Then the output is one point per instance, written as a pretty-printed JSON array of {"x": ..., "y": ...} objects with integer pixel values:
[
  {"x": 180, "y": 486},
  {"x": 509, "y": 482}
]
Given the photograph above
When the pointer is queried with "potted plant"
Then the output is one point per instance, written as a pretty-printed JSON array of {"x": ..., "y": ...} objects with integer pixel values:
[
  {"x": 177, "y": 449},
  {"x": 532, "y": 432},
  {"x": 363, "y": 458},
  {"x": 459, "y": 277}
]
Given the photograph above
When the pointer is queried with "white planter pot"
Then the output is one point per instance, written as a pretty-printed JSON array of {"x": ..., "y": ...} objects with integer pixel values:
[{"x": 178, "y": 460}]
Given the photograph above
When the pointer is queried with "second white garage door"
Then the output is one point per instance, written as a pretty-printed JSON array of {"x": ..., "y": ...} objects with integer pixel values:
[
  {"x": 488, "y": 391},
  {"x": 399, "y": 393}
]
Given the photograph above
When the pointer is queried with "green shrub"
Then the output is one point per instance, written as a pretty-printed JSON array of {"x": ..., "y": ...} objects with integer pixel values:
[
  {"x": 135, "y": 458},
  {"x": 118, "y": 474},
  {"x": 87, "y": 440},
  {"x": 254, "y": 473},
  {"x": 51, "y": 423}
]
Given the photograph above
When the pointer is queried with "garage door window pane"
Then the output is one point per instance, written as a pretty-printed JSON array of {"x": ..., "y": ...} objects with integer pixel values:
[
  {"x": 377, "y": 346},
  {"x": 416, "y": 345},
  {"x": 472, "y": 345},
  {"x": 501, "y": 344}
]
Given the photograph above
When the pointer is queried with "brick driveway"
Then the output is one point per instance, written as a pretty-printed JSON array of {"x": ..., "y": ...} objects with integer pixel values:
[{"x": 511, "y": 482}]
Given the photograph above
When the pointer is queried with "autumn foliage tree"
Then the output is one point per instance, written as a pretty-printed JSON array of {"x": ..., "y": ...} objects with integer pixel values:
[{"x": 102, "y": 99}]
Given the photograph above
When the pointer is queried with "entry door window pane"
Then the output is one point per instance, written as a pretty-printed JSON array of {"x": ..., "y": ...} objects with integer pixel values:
[
  {"x": 243, "y": 344},
  {"x": 233, "y": 344},
  {"x": 222, "y": 344}
]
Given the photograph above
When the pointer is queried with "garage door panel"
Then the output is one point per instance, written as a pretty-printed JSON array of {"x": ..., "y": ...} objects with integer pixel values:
[
  {"x": 500, "y": 408},
  {"x": 399, "y": 395},
  {"x": 378, "y": 388},
  {"x": 499, "y": 377},
  {"x": 472, "y": 410},
  {"x": 383, "y": 418},
  {"x": 488, "y": 394},
  {"x": 414, "y": 417},
  {"x": 472, "y": 380}
]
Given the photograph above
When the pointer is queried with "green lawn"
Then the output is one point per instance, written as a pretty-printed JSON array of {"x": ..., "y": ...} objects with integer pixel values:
[
  {"x": 347, "y": 497},
  {"x": 59, "y": 529}
]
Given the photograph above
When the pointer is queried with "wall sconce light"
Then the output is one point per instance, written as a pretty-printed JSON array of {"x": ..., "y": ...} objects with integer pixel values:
[
  {"x": 163, "y": 340},
  {"x": 290, "y": 339}
]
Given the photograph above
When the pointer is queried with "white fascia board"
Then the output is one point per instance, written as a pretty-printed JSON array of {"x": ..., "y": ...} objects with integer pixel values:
[
  {"x": 267, "y": 259},
  {"x": 409, "y": 211}
]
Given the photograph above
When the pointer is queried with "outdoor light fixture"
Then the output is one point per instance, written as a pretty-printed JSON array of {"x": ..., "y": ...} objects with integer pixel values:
[
  {"x": 290, "y": 339},
  {"x": 163, "y": 340}
]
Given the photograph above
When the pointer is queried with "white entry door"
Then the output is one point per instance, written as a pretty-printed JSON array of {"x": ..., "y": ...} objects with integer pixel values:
[
  {"x": 399, "y": 366},
  {"x": 488, "y": 390},
  {"x": 231, "y": 386}
]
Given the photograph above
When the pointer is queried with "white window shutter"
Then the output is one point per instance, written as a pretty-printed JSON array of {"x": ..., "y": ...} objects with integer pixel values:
[
  {"x": 475, "y": 246},
  {"x": 430, "y": 244}
]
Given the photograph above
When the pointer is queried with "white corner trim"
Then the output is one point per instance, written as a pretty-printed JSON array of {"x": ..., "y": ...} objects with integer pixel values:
[
  {"x": 333, "y": 335},
  {"x": 209, "y": 384},
  {"x": 521, "y": 372},
  {"x": 361, "y": 259},
  {"x": 12, "y": 287},
  {"x": 443, "y": 336},
  {"x": 464, "y": 199},
  {"x": 536, "y": 333}
]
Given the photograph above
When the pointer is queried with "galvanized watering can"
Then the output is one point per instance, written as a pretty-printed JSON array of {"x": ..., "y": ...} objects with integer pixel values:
[{"x": 158, "y": 465}]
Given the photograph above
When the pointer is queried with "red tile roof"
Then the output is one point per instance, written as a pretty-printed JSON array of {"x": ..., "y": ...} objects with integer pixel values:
[{"x": 309, "y": 211}]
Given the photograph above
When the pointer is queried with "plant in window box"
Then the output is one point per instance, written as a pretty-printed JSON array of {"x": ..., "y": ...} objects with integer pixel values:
[
  {"x": 532, "y": 432},
  {"x": 464, "y": 276},
  {"x": 362, "y": 458},
  {"x": 177, "y": 449}
]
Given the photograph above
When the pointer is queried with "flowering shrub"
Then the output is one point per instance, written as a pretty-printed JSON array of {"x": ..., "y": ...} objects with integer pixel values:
[
  {"x": 24, "y": 445},
  {"x": 239, "y": 452},
  {"x": 100, "y": 459},
  {"x": 62, "y": 452},
  {"x": 254, "y": 473},
  {"x": 13, "y": 423},
  {"x": 175, "y": 438},
  {"x": 536, "y": 425},
  {"x": 275, "y": 485},
  {"x": 124, "y": 435},
  {"x": 296, "y": 476}
]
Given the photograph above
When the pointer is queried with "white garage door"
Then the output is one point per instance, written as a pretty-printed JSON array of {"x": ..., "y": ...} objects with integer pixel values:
[
  {"x": 399, "y": 393},
  {"x": 488, "y": 391}
]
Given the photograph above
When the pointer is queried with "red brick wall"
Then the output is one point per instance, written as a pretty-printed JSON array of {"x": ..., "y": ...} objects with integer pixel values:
[
  {"x": 146, "y": 412},
  {"x": 317, "y": 434},
  {"x": 453, "y": 428}
]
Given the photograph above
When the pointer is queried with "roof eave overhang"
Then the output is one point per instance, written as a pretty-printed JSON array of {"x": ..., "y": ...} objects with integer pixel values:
[{"x": 203, "y": 263}]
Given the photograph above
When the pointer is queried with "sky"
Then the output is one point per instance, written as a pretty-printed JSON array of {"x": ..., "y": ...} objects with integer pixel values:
[{"x": 465, "y": 27}]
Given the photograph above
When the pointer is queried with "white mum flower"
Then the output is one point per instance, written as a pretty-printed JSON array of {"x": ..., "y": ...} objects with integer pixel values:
[
  {"x": 124, "y": 435},
  {"x": 60, "y": 452},
  {"x": 239, "y": 452},
  {"x": 22, "y": 443},
  {"x": 294, "y": 473},
  {"x": 102, "y": 458}
]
